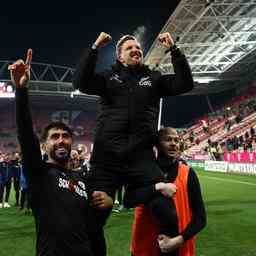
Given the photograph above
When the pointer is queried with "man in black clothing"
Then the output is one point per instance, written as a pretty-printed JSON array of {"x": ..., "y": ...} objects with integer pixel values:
[
  {"x": 127, "y": 122},
  {"x": 58, "y": 195},
  {"x": 191, "y": 219}
]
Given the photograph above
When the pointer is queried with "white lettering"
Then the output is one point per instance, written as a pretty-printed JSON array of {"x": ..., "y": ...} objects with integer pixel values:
[
  {"x": 79, "y": 189},
  {"x": 145, "y": 81}
]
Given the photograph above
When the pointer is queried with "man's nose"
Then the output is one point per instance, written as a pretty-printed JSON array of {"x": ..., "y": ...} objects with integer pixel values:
[
  {"x": 172, "y": 143},
  {"x": 135, "y": 49},
  {"x": 60, "y": 139}
]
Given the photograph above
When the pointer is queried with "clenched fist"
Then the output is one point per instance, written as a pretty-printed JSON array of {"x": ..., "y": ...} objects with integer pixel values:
[
  {"x": 166, "y": 39},
  {"x": 101, "y": 200},
  {"x": 102, "y": 40}
]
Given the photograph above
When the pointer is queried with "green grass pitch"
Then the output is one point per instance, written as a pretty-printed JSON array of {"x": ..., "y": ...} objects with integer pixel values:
[{"x": 231, "y": 229}]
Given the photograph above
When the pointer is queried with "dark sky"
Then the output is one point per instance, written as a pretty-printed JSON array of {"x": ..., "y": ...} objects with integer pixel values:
[{"x": 58, "y": 32}]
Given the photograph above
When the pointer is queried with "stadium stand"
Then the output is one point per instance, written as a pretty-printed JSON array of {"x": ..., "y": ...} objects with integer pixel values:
[{"x": 230, "y": 127}]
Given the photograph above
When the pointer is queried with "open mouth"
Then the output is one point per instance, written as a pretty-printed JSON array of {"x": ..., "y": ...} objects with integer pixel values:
[
  {"x": 61, "y": 151},
  {"x": 136, "y": 55}
]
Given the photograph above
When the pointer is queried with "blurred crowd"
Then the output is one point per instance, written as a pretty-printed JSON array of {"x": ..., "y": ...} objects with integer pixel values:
[{"x": 12, "y": 176}]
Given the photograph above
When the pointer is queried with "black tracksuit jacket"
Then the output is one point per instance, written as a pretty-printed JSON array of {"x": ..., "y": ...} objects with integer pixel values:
[
  {"x": 58, "y": 196},
  {"x": 129, "y": 104}
]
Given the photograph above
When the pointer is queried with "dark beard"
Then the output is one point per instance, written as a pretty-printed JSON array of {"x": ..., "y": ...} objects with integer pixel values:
[{"x": 61, "y": 157}]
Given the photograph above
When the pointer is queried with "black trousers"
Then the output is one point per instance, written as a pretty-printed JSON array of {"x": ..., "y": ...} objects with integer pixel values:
[
  {"x": 96, "y": 231},
  {"x": 7, "y": 188},
  {"x": 25, "y": 199},
  {"x": 143, "y": 171},
  {"x": 16, "y": 185}
]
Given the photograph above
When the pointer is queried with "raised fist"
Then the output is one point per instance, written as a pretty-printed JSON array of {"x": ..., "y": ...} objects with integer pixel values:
[
  {"x": 102, "y": 40},
  {"x": 166, "y": 39}
]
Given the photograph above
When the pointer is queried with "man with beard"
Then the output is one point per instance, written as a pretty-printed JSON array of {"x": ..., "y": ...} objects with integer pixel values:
[
  {"x": 189, "y": 205},
  {"x": 127, "y": 123},
  {"x": 59, "y": 198}
]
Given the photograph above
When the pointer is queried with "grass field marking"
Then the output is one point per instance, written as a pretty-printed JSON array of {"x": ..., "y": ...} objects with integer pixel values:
[{"x": 228, "y": 180}]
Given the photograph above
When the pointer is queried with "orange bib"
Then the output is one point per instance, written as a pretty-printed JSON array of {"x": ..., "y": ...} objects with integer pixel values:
[{"x": 145, "y": 230}]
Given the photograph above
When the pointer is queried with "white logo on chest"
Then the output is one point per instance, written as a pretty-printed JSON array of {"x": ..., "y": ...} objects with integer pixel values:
[
  {"x": 77, "y": 187},
  {"x": 145, "y": 81}
]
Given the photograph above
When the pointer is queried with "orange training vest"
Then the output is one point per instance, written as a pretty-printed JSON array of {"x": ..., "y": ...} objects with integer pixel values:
[{"x": 145, "y": 230}]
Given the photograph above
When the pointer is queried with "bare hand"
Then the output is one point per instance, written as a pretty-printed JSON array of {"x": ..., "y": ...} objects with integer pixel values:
[
  {"x": 20, "y": 71},
  {"x": 101, "y": 200},
  {"x": 166, "y": 39},
  {"x": 167, "y": 189},
  {"x": 102, "y": 40},
  {"x": 169, "y": 244}
]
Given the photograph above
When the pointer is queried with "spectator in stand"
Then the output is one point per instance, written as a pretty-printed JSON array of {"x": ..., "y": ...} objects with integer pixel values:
[
  {"x": 247, "y": 145},
  {"x": 227, "y": 125},
  {"x": 213, "y": 151},
  {"x": 241, "y": 140},
  {"x": 246, "y": 135},
  {"x": 183, "y": 145},
  {"x": 205, "y": 126},
  {"x": 197, "y": 141},
  {"x": 239, "y": 118},
  {"x": 219, "y": 152},
  {"x": 191, "y": 137}
]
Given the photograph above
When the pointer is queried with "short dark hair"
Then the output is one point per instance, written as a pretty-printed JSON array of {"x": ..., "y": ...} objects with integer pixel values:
[
  {"x": 163, "y": 131},
  {"x": 55, "y": 125},
  {"x": 121, "y": 41}
]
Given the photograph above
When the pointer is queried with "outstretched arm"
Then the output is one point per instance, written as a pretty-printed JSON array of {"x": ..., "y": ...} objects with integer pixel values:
[{"x": 30, "y": 148}]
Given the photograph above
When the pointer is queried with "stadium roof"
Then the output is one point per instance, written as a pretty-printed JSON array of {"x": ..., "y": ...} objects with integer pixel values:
[
  {"x": 219, "y": 39},
  {"x": 52, "y": 81}
]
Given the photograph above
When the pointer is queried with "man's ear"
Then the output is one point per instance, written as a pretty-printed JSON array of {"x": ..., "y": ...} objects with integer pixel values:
[{"x": 120, "y": 59}]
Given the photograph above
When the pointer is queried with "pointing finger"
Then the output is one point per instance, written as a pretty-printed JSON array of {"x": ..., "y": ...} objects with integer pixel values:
[{"x": 29, "y": 57}]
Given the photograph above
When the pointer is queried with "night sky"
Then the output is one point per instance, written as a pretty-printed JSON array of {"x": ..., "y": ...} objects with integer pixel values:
[{"x": 58, "y": 32}]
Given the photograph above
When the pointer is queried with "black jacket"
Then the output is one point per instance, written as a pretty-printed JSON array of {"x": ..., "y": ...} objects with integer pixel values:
[
  {"x": 58, "y": 196},
  {"x": 129, "y": 103}
]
